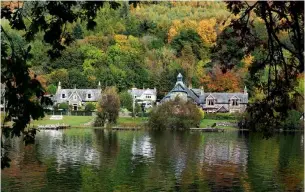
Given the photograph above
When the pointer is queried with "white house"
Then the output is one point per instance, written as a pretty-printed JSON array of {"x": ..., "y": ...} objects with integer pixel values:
[{"x": 147, "y": 96}]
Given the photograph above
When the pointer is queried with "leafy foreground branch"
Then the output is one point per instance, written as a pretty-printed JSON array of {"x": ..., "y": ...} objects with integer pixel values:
[
  {"x": 24, "y": 95},
  {"x": 282, "y": 59}
]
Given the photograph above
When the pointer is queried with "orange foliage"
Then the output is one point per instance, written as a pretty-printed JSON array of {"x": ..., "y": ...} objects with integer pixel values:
[
  {"x": 221, "y": 82},
  {"x": 12, "y": 4},
  {"x": 173, "y": 30}
]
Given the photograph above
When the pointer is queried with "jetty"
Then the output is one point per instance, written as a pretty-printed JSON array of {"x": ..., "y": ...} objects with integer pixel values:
[
  {"x": 209, "y": 129},
  {"x": 56, "y": 126}
]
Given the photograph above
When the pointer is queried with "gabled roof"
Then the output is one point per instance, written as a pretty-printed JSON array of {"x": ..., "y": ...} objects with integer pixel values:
[
  {"x": 140, "y": 92},
  {"x": 222, "y": 109},
  {"x": 95, "y": 94},
  {"x": 75, "y": 92},
  {"x": 224, "y": 97},
  {"x": 180, "y": 87},
  {"x": 210, "y": 96},
  {"x": 199, "y": 96}
]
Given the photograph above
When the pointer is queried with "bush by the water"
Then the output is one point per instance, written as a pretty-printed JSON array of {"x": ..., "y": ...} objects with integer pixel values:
[
  {"x": 108, "y": 107},
  {"x": 175, "y": 114},
  {"x": 293, "y": 120}
]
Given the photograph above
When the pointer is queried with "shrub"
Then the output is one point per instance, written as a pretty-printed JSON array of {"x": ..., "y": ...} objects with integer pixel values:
[
  {"x": 224, "y": 116},
  {"x": 90, "y": 107},
  {"x": 175, "y": 114},
  {"x": 108, "y": 107},
  {"x": 292, "y": 121},
  {"x": 64, "y": 106},
  {"x": 126, "y": 100}
]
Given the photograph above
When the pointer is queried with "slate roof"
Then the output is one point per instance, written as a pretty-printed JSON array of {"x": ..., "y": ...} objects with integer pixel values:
[
  {"x": 95, "y": 94},
  {"x": 199, "y": 96},
  {"x": 139, "y": 92},
  {"x": 224, "y": 97}
]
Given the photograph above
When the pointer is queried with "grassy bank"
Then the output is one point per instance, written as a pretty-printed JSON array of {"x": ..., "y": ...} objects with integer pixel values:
[
  {"x": 80, "y": 121},
  {"x": 131, "y": 122},
  {"x": 77, "y": 121}
]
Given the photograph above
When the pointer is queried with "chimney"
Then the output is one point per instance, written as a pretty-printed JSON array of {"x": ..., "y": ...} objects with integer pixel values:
[
  {"x": 201, "y": 90},
  {"x": 245, "y": 90},
  {"x": 190, "y": 86},
  {"x": 59, "y": 86},
  {"x": 99, "y": 85}
]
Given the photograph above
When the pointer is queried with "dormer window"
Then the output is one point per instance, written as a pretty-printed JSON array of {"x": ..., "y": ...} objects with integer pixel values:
[
  {"x": 210, "y": 101},
  {"x": 89, "y": 96},
  {"x": 234, "y": 102},
  {"x": 63, "y": 95}
]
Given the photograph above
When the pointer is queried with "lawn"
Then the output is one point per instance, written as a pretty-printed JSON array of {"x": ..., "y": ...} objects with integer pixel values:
[
  {"x": 131, "y": 122},
  {"x": 77, "y": 121}
]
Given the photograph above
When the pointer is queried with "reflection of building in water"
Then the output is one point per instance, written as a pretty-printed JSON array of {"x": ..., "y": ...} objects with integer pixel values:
[
  {"x": 143, "y": 147},
  {"x": 67, "y": 149},
  {"x": 216, "y": 152},
  {"x": 180, "y": 164},
  {"x": 223, "y": 161}
]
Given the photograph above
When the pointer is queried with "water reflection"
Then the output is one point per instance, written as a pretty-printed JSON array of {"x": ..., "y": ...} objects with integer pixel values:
[
  {"x": 142, "y": 147},
  {"x": 101, "y": 160}
]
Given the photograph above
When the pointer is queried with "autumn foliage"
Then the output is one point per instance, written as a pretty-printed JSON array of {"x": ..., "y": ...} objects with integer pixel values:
[{"x": 217, "y": 81}]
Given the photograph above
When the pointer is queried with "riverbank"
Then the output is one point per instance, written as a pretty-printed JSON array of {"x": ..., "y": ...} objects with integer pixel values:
[{"x": 123, "y": 122}]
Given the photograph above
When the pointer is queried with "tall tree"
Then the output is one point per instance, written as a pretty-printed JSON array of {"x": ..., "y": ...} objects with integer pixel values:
[
  {"x": 284, "y": 59},
  {"x": 24, "y": 95}
]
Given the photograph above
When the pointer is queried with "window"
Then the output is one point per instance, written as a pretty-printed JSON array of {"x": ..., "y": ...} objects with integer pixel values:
[
  {"x": 89, "y": 96},
  {"x": 211, "y": 101},
  {"x": 148, "y": 96},
  {"x": 63, "y": 96},
  {"x": 74, "y": 97},
  {"x": 234, "y": 102},
  {"x": 135, "y": 96}
]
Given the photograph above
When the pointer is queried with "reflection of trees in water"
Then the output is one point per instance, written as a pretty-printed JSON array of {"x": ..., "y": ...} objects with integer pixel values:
[
  {"x": 94, "y": 160},
  {"x": 106, "y": 143},
  {"x": 275, "y": 164},
  {"x": 291, "y": 166},
  {"x": 18, "y": 175}
]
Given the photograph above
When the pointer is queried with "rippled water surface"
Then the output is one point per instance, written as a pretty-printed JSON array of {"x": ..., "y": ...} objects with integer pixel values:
[{"x": 100, "y": 160}]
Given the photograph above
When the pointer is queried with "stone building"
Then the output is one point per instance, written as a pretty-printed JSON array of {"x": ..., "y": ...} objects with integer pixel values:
[
  {"x": 77, "y": 97},
  {"x": 147, "y": 96},
  {"x": 211, "y": 102}
]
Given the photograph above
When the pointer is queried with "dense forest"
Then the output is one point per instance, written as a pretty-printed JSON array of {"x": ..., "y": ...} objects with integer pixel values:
[
  {"x": 221, "y": 46},
  {"x": 146, "y": 44}
]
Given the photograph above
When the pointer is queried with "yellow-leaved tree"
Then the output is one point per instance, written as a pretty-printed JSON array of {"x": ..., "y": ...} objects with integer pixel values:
[{"x": 206, "y": 30}]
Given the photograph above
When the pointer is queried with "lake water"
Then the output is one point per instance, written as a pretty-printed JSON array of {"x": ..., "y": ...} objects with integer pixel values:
[{"x": 100, "y": 160}]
